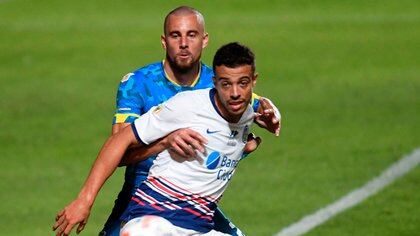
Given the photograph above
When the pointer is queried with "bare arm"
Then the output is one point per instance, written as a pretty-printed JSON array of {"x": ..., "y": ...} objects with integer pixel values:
[
  {"x": 140, "y": 153},
  {"x": 77, "y": 212},
  {"x": 136, "y": 153}
]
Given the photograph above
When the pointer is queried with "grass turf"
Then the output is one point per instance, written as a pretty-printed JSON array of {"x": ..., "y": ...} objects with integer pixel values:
[{"x": 345, "y": 75}]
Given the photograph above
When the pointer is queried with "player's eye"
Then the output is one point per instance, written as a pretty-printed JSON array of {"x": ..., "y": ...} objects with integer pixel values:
[
  {"x": 243, "y": 83},
  {"x": 192, "y": 35},
  {"x": 174, "y": 35},
  {"x": 225, "y": 84}
]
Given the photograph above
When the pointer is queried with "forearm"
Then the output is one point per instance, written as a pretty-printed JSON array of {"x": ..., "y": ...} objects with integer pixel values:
[
  {"x": 140, "y": 153},
  {"x": 105, "y": 164}
]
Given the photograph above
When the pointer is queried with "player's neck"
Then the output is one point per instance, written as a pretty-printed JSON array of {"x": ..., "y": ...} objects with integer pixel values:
[
  {"x": 184, "y": 77},
  {"x": 224, "y": 112}
]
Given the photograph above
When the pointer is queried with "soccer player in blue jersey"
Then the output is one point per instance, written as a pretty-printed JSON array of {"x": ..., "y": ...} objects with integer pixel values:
[{"x": 183, "y": 40}]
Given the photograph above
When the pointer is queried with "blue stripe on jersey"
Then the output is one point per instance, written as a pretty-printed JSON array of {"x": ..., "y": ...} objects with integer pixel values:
[
  {"x": 133, "y": 127},
  {"x": 212, "y": 93}
]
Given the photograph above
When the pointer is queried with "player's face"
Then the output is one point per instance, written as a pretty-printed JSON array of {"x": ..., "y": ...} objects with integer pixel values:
[
  {"x": 234, "y": 88},
  {"x": 184, "y": 40}
]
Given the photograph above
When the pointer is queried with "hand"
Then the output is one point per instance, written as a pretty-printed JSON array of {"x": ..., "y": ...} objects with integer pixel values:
[
  {"x": 184, "y": 142},
  {"x": 77, "y": 212},
  {"x": 252, "y": 143},
  {"x": 268, "y": 116}
]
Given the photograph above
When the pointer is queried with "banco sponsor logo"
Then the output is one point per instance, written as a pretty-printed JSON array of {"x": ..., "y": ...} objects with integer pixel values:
[{"x": 224, "y": 163}]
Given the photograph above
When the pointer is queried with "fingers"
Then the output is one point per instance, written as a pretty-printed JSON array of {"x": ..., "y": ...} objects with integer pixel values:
[
  {"x": 260, "y": 119},
  {"x": 195, "y": 142},
  {"x": 252, "y": 137},
  {"x": 269, "y": 108},
  {"x": 266, "y": 108},
  {"x": 58, "y": 221},
  {"x": 252, "y": 143},
  {"x": 77, "y": 212},
  {"x": 198, "y": 137},
  {"x": 188, "y": 150},
  {"x": 81, "y": 227},
  {"x": 59, "y": 214},
  {"x": 275, "y": 109},
  {"x": 271, "y": 115},
  {"x": 68, "y": 229},
  {"x": 177, "y": 150},
  {"x": 184, "y": 142},
  {"x": 268, "y": 116},
  {"x": 277, "y": 132},
  {"x": 265, "y": 104},
  {"x": 61, "y": 228},
  {"x": 64, "y": 228}
]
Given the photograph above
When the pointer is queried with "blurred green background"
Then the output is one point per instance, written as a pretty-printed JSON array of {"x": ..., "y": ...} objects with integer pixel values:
[{"x": 345, "y": 75}]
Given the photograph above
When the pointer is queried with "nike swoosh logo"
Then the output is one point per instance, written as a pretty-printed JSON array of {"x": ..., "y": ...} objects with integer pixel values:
[{"x": 212, "y": 132}]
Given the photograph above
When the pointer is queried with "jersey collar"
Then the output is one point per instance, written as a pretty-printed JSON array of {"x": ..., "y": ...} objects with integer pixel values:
[{"x": 175, "y": 83}]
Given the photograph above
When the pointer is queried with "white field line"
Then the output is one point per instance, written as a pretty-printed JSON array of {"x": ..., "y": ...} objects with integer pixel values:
[{"x": 388, "y": 176}]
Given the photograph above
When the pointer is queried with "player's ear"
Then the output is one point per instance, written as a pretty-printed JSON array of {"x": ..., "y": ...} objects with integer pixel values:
[
  {"x": 205, "y": 39},
  {"x": 163, "y": 41},
  {"x": 254, "y": 79}
]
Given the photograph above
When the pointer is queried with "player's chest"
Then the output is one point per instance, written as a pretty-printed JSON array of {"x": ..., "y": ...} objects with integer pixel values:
[{"x": 221, "y": 137}]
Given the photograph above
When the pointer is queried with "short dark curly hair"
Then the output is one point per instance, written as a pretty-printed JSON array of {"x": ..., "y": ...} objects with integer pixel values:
[{"x": 233, "y": 55}]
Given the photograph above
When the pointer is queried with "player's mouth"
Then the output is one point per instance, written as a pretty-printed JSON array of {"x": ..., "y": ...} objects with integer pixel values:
[
  {"x": 184, "y": 55},
  {"x": 236, "y": 106}
]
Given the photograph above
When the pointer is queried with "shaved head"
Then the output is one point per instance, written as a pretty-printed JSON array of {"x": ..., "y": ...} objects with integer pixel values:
[
  {"x": 183, "y": 39},
  {"x": 183, "y": 11}
]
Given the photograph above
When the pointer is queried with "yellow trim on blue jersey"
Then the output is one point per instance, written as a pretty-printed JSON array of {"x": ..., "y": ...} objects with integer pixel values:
[
  {"x": 174, "y": 82},
  {"x": 121, "y": 118}
]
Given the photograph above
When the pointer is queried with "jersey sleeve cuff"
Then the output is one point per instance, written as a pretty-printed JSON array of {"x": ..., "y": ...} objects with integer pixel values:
[
  {"x": 136, "y": 134},
  {"x": 124, "y": 118}
]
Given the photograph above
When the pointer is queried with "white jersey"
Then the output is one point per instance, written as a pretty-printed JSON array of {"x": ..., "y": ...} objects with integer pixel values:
[
  {"x": 208, "y": 174},
  {"x": 185, "y": 191}
]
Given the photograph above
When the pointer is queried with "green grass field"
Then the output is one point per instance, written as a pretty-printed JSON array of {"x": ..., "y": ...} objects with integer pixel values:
[{"x": 345, "y": 74}]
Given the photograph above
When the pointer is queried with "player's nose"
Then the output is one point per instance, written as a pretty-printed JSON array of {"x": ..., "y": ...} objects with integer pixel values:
[
  {"x": 235, "y": 93},
  {"x": 184, "y": 42}
]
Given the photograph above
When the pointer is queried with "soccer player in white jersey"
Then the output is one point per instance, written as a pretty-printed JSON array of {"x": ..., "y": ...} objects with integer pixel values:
[{"x": 185, "y": 191}]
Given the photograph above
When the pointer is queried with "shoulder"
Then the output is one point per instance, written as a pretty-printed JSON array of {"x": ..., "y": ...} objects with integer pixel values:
[
  {"x": 191, "y": 96},
  {"x": 206, "y": 72},
  {"x": 144, "y": 73},
  {"x": 189, "y": 100},
  {"x": 151, "y": 69}
]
